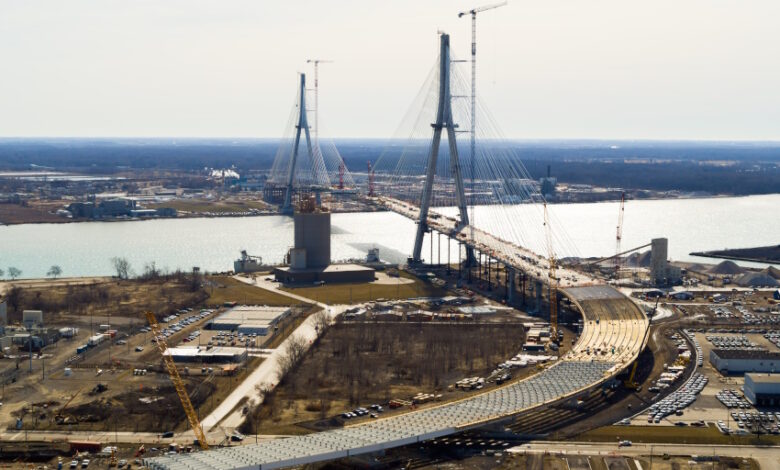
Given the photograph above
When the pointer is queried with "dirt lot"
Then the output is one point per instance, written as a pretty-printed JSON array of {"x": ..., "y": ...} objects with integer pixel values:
[
  {"x": 110, "y": 301},
  {"x": 358, "y": 364},
  {"x": 33, "y": 212},
  {"x": 198, "y": 206},
  {"x": 349, "y": 293},
  {"x": 223, "y": 289},
  {"x": 120, "y": 304}
]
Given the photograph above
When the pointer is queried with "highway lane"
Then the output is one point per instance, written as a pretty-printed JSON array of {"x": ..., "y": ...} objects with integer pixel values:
[{"x": 767, "y": 456}]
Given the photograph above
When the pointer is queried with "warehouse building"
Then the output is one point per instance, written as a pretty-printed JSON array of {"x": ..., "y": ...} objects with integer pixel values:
[
  {"x": 207, "y": 355},
  {"x": 739, "y": 361},
  {"x": 763, "y": 389},
  {"x": 248, "y": 319}
]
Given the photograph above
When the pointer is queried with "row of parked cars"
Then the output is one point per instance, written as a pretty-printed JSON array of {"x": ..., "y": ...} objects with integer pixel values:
[
  {"x": 731, "y": 399},
  {"x": 678, "y": 400},
  {"x": 173, "y": 328},
  {"x": 697, "y": 347},
  {"x": 358, "y": 412},
  {"x": 757, "y": 420},
  {"x": 731, "y": 342}
]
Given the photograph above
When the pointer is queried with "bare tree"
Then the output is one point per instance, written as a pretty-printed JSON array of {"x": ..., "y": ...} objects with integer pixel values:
[
  {"x": 55, "y": 271},
  {"x": 14, "y": 272},
  {"x": 121, "y": 266},
  {"x": 294, "y": 349},
  {"x": 2, "y": 273},
  {"x": 321, "y": 321}
]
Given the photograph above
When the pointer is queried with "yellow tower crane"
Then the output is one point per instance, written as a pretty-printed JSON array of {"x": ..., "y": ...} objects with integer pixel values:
[
  {"x": 553, "y": 279},
  {"x": 178, "y": 383}
]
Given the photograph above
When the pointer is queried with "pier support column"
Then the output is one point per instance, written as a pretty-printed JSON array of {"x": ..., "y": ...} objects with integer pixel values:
[
  {"x": 538, "y": 287},
  {"x": 510, "y": 284}
]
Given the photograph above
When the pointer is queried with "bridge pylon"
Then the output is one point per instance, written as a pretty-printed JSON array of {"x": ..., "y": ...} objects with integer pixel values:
[
  {"x": 444, "y": 120},
  {"x": 302, "y": 125}
]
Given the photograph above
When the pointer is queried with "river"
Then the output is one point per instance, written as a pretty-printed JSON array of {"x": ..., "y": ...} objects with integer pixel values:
[{"x": 86, "y": 248}]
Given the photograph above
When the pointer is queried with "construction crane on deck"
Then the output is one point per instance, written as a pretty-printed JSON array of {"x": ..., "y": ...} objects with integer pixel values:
[
  {"x": 553, "y": 279},
  {"x": 317, "y": 63},
  {"x": 473, "y": 131},
  {"x": 619, "y": 236},
  {"x": 178, "y": 383}
]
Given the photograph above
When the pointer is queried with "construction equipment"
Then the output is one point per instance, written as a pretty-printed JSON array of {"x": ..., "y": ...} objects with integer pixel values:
[
  {"x": 630, "y": 383},
  {"x": 553, "y": 279},
  {"x": 473, "y": 131},
  {"x": 61, "y": 417},
  {"x": 607, "y": 258},
  {"x": 178, "y": 383},
  {"x": 619, "y": 236},
  {"x": 317, "y": 63}
]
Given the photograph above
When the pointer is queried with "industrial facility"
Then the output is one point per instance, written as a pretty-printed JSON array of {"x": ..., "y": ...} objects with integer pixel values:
[
  {"x": 739, "y": 361},
  {"x": 250, "y": 319},
  {"x": 207, "y": 355},
  {"x": 763, "y": 389}
]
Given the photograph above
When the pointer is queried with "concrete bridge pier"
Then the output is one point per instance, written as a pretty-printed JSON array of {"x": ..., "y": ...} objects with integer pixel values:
[
  {"x": 538, "y": 287},
  {"x": 510, "y": 284}
]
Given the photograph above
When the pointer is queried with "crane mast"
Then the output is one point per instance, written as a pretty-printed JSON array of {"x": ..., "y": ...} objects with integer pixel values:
[
  {"x": 473, "y": 131},
  {"x": 553, "y": 278},
  {"x": 619, "y": 236},
  {"x": 178, "y": 383},
  {"x": 317, "y": 63}
]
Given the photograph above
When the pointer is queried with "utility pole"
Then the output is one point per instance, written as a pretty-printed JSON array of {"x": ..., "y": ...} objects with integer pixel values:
[
  {"x": 473, "y": 12},
  {"x": 317, "y": 63}
]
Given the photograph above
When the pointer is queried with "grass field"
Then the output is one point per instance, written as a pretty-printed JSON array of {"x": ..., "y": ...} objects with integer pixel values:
[
  {"x": 227, "y": 289},
  {"x": 673, "y": 434},
  {"x": 362, "y": 292}
]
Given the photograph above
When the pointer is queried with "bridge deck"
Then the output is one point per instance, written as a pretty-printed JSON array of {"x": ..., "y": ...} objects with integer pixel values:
[
  {"x": 511, "y": 254},
  {"x": 610, "y": 320}
]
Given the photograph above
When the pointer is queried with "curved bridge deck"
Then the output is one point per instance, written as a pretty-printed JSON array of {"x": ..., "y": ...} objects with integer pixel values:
[{"x": 614, "y": 330}]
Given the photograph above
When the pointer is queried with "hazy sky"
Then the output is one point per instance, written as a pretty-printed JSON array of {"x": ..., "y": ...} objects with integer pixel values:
[{"x": 660, "y": 69}]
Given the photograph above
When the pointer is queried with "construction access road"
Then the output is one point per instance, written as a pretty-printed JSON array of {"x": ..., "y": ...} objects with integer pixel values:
[{"x": 228, "y": 414}]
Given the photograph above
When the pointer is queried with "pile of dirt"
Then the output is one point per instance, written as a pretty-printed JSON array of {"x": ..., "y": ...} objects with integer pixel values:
[
  {"x": 759, "y": 279},
  {"x": 727, "y": 267},
  {"x": 772, "y": 272},
  {"x": 697, "y": 268}
]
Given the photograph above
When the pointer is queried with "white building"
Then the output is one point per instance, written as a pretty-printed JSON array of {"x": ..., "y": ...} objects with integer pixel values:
[
  {"x": 739, "y": 361},
  {"x": 248, "y": 319},
  {"x": 31, "y": 318},
  {"x": 763, "y": 389}
]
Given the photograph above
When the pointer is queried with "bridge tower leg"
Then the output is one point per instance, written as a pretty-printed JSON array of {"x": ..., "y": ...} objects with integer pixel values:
[
  {"x": 303, "y": 125},
  {"x": 444, "y": 120}
]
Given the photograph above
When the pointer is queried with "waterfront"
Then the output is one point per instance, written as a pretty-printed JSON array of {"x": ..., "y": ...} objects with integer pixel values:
[{"x": 85, "y": 249}]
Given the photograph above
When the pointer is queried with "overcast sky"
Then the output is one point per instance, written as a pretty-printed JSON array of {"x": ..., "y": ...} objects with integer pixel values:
[{"x": 617, "y": 69}]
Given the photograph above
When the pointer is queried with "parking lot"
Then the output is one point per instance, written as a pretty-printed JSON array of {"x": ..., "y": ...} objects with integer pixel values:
[{"x": 720, "y": 400}]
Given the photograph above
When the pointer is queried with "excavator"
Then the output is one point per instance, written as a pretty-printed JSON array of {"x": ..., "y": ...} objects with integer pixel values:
[{"x": 61, "y": 417}]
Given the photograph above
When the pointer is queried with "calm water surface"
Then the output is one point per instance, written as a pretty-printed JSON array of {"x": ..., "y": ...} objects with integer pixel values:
[{"x": 84, "y": 249}]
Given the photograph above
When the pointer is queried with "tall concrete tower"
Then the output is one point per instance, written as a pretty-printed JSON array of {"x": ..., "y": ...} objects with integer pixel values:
[
  {"x": 302, "y": 125},
  {"x": 444, "y": 120},
  {"x": 659, "y": 253}
]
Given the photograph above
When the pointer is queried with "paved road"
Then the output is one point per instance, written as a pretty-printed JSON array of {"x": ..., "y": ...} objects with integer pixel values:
[
  {"x": 768, "y": 457},
  {"x": 267, "y": 374}
]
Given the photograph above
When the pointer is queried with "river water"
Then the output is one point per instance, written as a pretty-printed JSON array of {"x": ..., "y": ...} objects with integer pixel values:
[{"x": 86, "y": 248}]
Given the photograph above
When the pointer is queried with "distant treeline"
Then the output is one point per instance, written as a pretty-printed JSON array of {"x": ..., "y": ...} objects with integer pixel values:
[{"x": 685, "y": 166}]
